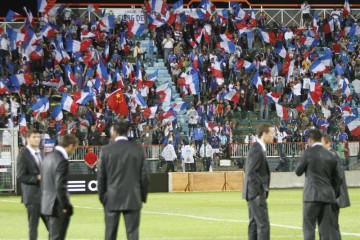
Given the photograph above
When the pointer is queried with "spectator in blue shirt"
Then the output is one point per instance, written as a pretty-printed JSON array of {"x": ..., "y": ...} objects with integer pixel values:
[
  {"x": 342, "y": 135},
  {"x": 198, "y": 135}
]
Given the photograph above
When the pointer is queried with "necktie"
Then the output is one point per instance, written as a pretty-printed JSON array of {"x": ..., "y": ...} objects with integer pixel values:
[{"x": 38, "y": 158}]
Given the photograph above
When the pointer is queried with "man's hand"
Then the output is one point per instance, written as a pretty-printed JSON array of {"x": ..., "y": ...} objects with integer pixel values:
[
  {"x": 64, "y": 211},
  {"x": 38, "y": 177}
]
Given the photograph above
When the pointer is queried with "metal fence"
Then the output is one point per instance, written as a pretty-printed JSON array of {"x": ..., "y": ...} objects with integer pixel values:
[{"x": 8, "y": 154}]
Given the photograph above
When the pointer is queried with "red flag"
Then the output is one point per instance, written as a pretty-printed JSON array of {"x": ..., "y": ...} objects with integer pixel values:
[{"x": 117, "y": 102}]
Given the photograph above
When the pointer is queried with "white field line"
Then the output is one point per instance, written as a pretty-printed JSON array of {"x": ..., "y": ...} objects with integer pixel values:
[{"x": 206, "y": 218}]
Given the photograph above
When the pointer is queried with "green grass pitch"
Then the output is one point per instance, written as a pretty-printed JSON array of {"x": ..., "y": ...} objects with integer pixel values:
[{"x": 220, "y": 215}]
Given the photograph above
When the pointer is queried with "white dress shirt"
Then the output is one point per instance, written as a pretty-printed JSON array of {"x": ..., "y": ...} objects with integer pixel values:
[
  {"x": 262, "y": 144},
  {"x": 34, "y": 154}
]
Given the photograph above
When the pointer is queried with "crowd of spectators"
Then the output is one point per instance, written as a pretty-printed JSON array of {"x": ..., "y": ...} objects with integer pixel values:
[{"x": 211, "y": 116}]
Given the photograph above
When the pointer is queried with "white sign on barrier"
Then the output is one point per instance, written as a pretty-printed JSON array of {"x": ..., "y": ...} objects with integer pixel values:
[{"x": 132, "y": 14}]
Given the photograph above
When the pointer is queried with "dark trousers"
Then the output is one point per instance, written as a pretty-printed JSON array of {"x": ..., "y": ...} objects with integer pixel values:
[
  {"x": 259, "y": 225},
  {"x": 316, "y": 212},
  {"x": 190, "y": 167},
  {"x": 198, "y": 144},
  {"x": 132, "y": 221},
  {"x": 334, "y": 221},
  {"x": 170, "y": 166},
  {"x": 58, "y": 223},
  {"x": 33, "y": 212}
]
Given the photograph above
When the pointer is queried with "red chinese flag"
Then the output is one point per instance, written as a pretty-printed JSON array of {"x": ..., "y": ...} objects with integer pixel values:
[{"x": 117, "y": 102}]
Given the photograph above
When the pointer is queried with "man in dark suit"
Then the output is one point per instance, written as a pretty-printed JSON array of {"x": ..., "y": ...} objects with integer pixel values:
[
  {"x": 122, "y": 182},
  {"x": 343, "y": 200},
  {"x": 322, "y": 183},
  {"x": 256, "y": 184},
  {"x": 55, "y": 202},
  {"x": 28, "y": 174}
]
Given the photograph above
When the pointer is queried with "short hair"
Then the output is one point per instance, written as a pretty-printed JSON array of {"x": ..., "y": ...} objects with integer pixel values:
[
  {"x": 121, "y": 128},
  {"x": 263, "y": 128},
  {"x": 68, "y": 140},
  {"x": 31, "y": 132},
  {"x": 315, "y": 135},
  {"x": 327, "y": 138}
]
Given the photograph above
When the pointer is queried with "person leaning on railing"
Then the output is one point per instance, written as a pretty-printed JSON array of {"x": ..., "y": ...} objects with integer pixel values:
[{"x": 91, "y": 160}]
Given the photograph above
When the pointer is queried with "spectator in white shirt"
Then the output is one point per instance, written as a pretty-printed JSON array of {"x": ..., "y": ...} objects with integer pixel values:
[
  {"x": 289, "y": 35},
  {"x": 4, "y": 46},
  {"x": 296, "y": 89},
  {"x": 167, "y": 44},
  {"x": 193, "y": 116},
  {"x": 169, "y": 155},
  {"x": 305, "y": 11}
]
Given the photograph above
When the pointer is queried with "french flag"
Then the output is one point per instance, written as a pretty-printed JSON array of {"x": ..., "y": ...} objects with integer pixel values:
[
  {"x": 281, "y": 112},
  {"x": 29, "y": 16},
  {"x": 315, "y": 24},
  {"x": 87, "y": 34},
  {"x": 302, "y": 107},
  {"x": 207, "y": 6},
  {"x": 240, "y": 13},
  {"x": 198, "y": 35},
  {"x": 309, "y": 41},
  {"x": 256, "y": 81},
  {"x": 281, "y": 51},
  {"x": 274, "y": 96},
  {"x": 354, "y": 30},
  {"x": 253, "y": 19},
  {"x": 189, "y": 79},
  {"x": 228, "y": 46},
  {"x": 276, "y": 70},
  {"x": 232, "y": 96},
  {"x": 327, "y": 58},
  {"x": 149, "y": 113},
  {"x": 118, "y": 79},
  {"x": 135, "y": 29},
  {"x": 318, "y": 67},
  {"x": 268, "y": 37},
  {"x": 169, "y": 18},
  {"x": 354, "y": 127},
  {"x": 76, "y": 46},
  {"x": 57, "y": 114},
  {"x": 16, "y": 39},
  {"x": 217, "y": 72},
  {"x": 155, "y": 6},
  {"x": 37, "y": 53},
  {"x": 151, "y": 79},
  {"x": 139, "y": 75},
  {"x": 346, "y": 10},
  {"x": 48, "y": 31},
  {"x": 3, "y": 87},
  {"x": 178, "y": 7},
  {"x": 96, "y": 83},
  {"x": 192, "y": 43},
  {"x": 53, "y": 9},
  {"x": 197, "y": 14},
  {"x": 11, "y": 16},
  {"x": 106, "y": 23},
  {"x": 61, "y": 129},
  {"x": 194, "y": 86},
  {"x": 164, "y": 93},
  {"x": 346, "y": 90},
  {"x": 68, "y": 104},
  {"x": 20, "y": 79},
  {"x": 138, "y": 99},
  {"x": 107, "y": 51},
  {"x": 41, "y": 5},
  {"x": 329, "y": 26},
  {"x": 83, "y": 97},
  {"x": 180, "y": 106},
  {"x": 22, "y": 124},
  {"x": 227, "y": 37},
  {"x": 123, "y": 44},
  {"x": 41, "y": 106},
  {"x": 249, "y": 66},
  {"x": 315, "y": 91},
  {"x": 70, "y": 75},
  {"x": 153, "y": 22},
  {"x": 222, "y": 15},
  {"x": 207, "y": 33},
  {"x": 347, "y": 112},
  {"x": 49, "y": 145},
  {"x": 93, "y": 7}
]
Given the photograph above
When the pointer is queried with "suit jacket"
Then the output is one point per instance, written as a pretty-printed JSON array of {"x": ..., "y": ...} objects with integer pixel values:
[
  {"x": 27, "y": 171},
  {"x": 322, "y": 175},
  {"x": 122, "y": 177},
  {"x": 343, "y": 200},
  {"x": 257, "y": 173},
  {"x": 54, "y": 175}
]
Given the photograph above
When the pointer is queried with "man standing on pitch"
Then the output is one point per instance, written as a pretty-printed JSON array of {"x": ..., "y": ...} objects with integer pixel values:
[
  {"x": 256, "y": 184},
  {"x": 343, "y": 200},
  {"x": 322, "y": 186},
  {"x": 28, "y": 174},
  {"x": 55, "y": 199},
  {"x": 122, "y": 182}
]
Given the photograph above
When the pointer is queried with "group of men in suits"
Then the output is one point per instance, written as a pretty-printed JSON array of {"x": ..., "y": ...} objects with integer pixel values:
[
  {"x": 122, "y": 184},
  {"x": 325, "y": 189},
  {"x": 44, "y": 185}
]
